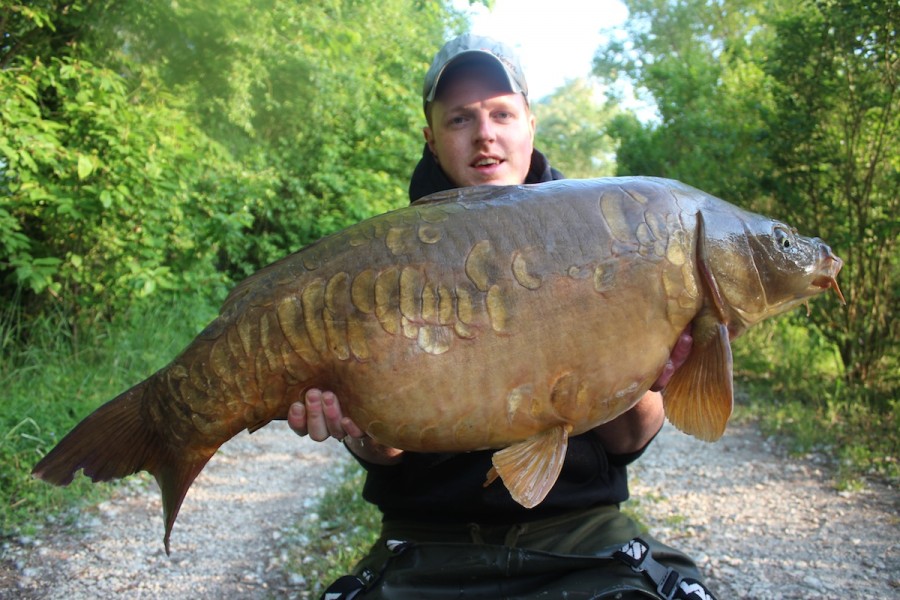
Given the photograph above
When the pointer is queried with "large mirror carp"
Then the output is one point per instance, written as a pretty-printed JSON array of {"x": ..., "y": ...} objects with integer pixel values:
[{"x": 489, "y": 317}]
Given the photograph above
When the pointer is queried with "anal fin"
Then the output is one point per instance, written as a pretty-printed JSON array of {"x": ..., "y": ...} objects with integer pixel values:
[
  {"x": 531, "y": 467},
  {"x": 700, "y": 396}
]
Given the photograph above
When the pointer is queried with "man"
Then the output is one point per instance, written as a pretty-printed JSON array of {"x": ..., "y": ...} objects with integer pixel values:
[{"x": 480, "y": 130}]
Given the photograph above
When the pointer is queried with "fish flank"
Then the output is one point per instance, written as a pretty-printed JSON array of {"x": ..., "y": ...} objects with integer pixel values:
[
  {"x": 362, "y": 291},
  {"x": 479, "y": 265},
  {"x": 293, "y": 327},
  {"x": 387, "y": 299},
  {"x": 312, "y": 298}
]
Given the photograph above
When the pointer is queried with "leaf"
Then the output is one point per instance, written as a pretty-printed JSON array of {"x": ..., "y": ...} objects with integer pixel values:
[{"x": 85, "y": 167}]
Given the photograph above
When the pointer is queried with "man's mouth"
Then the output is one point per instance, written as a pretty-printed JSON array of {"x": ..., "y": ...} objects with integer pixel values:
[{"x": 486, "y": 162}]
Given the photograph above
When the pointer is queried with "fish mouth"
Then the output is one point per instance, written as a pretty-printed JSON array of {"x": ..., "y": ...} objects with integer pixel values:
[
  {"x": 829, "y": 267},
  {"x": 826, "y": 282}
]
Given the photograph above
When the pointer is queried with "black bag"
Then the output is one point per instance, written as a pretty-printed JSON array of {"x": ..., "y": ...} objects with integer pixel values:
[{"x": 444, "y": 571}]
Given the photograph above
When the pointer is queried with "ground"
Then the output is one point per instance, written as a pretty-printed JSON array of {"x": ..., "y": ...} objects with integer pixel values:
[
  {"x": 761, "y": 524},
  {"x": 225, "y": 543}
]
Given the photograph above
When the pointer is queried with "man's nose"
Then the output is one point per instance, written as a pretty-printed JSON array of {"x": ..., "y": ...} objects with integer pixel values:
[{"x": 486, "y": 131}]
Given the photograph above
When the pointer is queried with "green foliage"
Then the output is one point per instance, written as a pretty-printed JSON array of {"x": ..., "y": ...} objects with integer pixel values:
[
  {"x": 51, "y": 383},
  {"x": 784, "y": 356},
  {"x": 698, "y": 62},
  {"x": 835, "y": 73},
  {"x": 151, "y": 147},
  {"x": 571, "y": 130},
  {"x": 99, "y": 208},
  {"x": 44, "y": 28},
  {"x": 331, "y": 540},
  {"x": 323, "y": 97},
  {"x": 790, "y": 109},
  {"x": 795, "y": 387}
]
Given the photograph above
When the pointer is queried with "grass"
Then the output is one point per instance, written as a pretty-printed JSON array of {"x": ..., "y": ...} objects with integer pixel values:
[
  {"x": 334, "y": 535},
  {"x": 54, "y": 380},
  {"x": 862, "y": 444},
  {"x": 795, "y": 391}
]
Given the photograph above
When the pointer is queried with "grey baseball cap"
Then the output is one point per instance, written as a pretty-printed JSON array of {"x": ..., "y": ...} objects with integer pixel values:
[{"x": 475, "y": 47}]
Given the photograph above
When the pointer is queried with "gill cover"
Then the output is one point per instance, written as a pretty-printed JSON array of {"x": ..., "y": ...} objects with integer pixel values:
[{"x": 699, "y": 398}]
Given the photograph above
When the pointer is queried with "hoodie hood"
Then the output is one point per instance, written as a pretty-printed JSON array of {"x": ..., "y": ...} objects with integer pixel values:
[{"x": 428, "y": 177}]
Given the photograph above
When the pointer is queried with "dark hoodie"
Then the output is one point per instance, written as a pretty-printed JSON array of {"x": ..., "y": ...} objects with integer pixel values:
[
  {"x": 428, "y": 177},
  {"x": 448, "y": 488}
]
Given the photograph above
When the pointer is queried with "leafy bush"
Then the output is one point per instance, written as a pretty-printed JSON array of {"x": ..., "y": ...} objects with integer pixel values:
[
  {"x": 790, "y": 109},
  {"x": 105, "y": 198},
  {"x": 149, "y": 146}
]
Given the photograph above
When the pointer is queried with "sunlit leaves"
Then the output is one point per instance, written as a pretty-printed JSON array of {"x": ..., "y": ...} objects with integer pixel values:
[
  {"x": 153, "y": 145},
  {"x": 571, "y": 130},
  {"x": 98, "y": 205}
]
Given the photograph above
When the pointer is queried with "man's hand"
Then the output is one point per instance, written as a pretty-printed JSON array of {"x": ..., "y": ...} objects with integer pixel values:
[
  {"x": 679, "y": 354},
  {"x": 319, "y": 416}
]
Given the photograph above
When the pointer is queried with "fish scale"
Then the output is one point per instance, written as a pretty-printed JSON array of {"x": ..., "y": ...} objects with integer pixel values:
[{"x": 496, "y": 317}]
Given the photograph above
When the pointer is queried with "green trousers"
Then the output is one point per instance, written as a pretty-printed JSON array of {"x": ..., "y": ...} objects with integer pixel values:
[{"x": 567, "y": 556}]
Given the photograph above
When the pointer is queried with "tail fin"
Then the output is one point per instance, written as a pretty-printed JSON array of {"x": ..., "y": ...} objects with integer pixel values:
[{"x": 116, "y": 441}]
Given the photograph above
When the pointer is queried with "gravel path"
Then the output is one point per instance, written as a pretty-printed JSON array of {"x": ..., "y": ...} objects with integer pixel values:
[
  {"x": 760, "y": 524},
  {"x": 763, "y": 525},
  {"x": 224, "y": 544}
]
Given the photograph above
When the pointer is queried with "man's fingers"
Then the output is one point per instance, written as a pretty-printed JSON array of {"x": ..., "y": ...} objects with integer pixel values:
[
  {"x": 682, "y": 349},
  {"x": 664, "y": 377},
  {"x": 678, "y": 356},
  {"x": 319, "y": 416},
  {"x": 315, "y": 416},
  {"x": 352, "y": 428},
  {"x": 331, "y": 409},
  {"x": 297, "y": 418}
]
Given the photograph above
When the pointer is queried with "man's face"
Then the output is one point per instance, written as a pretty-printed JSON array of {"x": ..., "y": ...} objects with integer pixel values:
[{"x": 480, "y": 133}]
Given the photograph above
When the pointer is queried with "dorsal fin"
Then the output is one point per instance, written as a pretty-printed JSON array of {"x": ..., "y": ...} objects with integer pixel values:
[{"x": 478, "y": 193}]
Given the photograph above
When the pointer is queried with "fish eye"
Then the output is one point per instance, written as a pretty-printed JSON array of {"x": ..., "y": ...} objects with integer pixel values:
[{"x": 784, "y": 238}]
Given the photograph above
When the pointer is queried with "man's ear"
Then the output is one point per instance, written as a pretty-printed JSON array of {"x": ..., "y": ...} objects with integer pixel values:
[{"x": 429, "y": 139}]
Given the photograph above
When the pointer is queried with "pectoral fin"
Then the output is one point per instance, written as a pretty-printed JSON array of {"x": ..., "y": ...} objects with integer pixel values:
[
  {"x": 700, "y": 396},
  {"x": 530, "y": 468}
]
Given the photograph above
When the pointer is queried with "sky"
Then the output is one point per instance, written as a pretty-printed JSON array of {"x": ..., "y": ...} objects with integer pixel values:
[{"x": 555, "y": 39}]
